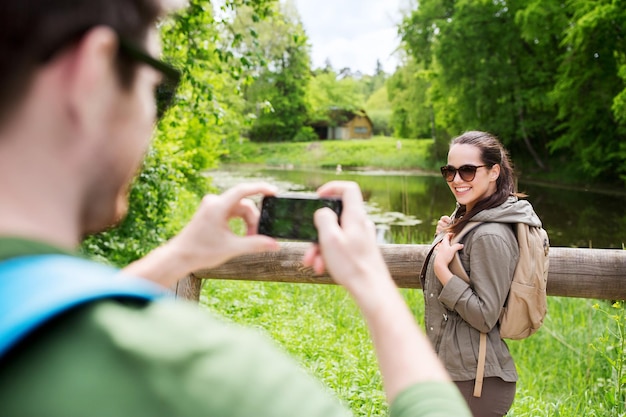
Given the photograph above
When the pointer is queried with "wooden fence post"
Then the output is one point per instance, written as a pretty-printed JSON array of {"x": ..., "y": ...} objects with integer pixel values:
[
  {"x": 188, "y": 288},
  {"x": 574, "y": 272}
]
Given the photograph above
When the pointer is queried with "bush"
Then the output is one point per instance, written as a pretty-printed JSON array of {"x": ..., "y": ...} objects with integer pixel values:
[
  {"x": 306, "y": 134},
  {"x": 148, "y": 223},
  {"x": 381, "y": 119}
]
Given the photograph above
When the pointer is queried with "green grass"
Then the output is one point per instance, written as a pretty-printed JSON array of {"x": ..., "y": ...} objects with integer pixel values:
[
  {"x": 318, "y": 324},
  {"x": 379, "y": 152},
  {"x": 573, "y": 366},
  {"x": 560, "y": 373}
]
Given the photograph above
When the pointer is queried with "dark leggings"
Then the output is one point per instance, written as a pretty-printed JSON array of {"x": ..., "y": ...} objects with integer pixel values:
[{"x": 496, "y": 398}]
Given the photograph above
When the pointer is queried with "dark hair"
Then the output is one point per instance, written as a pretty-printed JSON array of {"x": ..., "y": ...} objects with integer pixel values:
[
  {"x": 33, "y": 31},
  {"x": 491, "y": 153}
]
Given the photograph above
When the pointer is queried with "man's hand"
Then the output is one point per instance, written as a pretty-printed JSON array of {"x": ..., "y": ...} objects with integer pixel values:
[
  {"x": 207, "y": 241},
  {"x": 349, "y": 252},
  {"x": 351, "y": 255}
]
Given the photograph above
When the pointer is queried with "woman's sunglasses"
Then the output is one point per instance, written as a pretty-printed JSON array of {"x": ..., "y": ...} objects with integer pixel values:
[{"x": 466, "y": 172}]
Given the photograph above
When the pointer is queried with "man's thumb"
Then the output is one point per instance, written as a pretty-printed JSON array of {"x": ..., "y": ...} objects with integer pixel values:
[{"x": 326, "y": 220}]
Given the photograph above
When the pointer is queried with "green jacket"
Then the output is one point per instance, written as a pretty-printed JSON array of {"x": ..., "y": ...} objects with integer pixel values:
[
  {"x": 457, "y": 313},
  {"x": 169, "y": 358}
]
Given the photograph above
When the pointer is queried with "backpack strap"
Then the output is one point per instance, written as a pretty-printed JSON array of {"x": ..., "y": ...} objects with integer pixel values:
[
  {"x": 34, "y": 289},
  {"x": 480, "y": 366},
  {"x": 456, "y": 267}
]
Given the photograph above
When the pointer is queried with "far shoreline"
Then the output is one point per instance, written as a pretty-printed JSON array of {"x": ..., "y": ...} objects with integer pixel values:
[{"x": 373, "y": 170}]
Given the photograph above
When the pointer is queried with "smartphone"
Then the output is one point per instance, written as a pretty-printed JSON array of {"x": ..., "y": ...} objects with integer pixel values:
[{"x": 291, "y": 216}]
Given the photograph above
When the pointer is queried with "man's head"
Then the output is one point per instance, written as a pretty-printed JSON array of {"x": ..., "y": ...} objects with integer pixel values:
[
  {"x": 77, "y": 87},
  {"x": 32, "y": 32}
]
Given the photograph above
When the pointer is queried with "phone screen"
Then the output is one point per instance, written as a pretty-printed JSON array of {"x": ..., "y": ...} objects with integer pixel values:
[{"x": 291, "y": 217}]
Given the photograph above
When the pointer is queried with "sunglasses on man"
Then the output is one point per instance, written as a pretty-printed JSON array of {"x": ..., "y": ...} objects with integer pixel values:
[
  {"x": 466, "y": 172},
  {"x": 166, "y": 90}
]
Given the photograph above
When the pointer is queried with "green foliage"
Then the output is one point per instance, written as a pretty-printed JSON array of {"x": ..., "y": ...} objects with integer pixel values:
[
  {"x": 305, "y": 134},
  {"x": 481, "y": 62},
  {"x": 327, "y": 91},
  {"x": 191, "y": 137},
  {"x": 331, "y": 94},
  {"x": 587, "y": 84},
  {"x": 408, "y": 94},
  {"x": 381, "y": 121},
  {"x": 544, "y": 75},
  {"x": 373, "y": 83},
  {"x": 277, "y": 97},
  {"x": 379, "y": 152},
  {"x": 378, "y": 100},
  {"x": 158, "y": 206},
  {"x": 379, "y": 110}
]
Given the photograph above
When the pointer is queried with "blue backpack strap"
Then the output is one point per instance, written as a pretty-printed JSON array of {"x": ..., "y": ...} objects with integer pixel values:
[{"x": 34, "y": 289}]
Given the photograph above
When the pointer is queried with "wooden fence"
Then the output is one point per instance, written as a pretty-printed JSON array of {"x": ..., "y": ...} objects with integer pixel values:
[{"x": 574, "y": 272}]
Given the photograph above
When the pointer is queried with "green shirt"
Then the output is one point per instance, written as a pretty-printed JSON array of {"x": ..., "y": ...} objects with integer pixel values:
[{"x": 169, "y": 358}]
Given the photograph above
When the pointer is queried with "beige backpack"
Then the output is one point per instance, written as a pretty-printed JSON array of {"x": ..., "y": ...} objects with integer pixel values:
[{"x": 526, "y": 304}]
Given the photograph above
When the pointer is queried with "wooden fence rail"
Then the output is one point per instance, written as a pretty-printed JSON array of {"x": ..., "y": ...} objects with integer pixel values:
[{"x": 574, "y": 272}]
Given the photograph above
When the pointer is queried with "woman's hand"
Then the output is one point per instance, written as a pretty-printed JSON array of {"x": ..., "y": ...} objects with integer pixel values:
[
  {"x": 444, "y": 252},
  {"x": 442, "y": 224}
]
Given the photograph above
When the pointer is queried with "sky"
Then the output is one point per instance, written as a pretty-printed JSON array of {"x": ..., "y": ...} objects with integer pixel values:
[{"x": 352, "y": 33}]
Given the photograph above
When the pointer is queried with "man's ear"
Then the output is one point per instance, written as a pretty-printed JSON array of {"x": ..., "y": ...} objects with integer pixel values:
[{"x": 91, "y": 79}]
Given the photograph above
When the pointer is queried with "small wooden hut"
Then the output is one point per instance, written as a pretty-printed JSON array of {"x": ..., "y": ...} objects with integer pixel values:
[{"x": 344, "y": 124}]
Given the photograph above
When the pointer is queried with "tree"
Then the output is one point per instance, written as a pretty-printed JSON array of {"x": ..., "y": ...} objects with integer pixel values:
[
  {"x": 372, "y": 83},
  {"x": 277, "y": 96},
  {"x": 590, "y": 86},
  {"x": 378, "y": 109},
  {"x": 327, "y": 91},
  {"x": 411, "y": 108},
  {"x": 189, "y": 139},
  {"x": 544, "y": 75},
  {"x": 483, "y": 63}
]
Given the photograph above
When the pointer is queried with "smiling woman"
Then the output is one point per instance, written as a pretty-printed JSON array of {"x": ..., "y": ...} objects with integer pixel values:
[
  {"x": 472, "y": 184},
  {"x": 480, "y": 176}
]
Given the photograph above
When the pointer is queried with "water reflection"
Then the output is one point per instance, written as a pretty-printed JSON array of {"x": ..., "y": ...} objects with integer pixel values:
[{"x": 406, "y": 207}]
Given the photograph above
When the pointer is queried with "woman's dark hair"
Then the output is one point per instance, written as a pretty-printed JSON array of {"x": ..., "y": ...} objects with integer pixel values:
[
  {"x": 491, "y": 153},
  {"x": 33, "y": 31}
]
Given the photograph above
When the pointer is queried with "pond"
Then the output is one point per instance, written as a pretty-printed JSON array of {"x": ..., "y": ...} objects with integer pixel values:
[{"x": 406, "y": 206}]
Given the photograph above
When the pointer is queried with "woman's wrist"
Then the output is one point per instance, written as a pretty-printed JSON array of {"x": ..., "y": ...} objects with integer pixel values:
[{"x": 443, "y": 273}]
